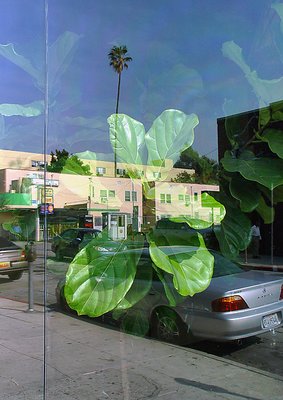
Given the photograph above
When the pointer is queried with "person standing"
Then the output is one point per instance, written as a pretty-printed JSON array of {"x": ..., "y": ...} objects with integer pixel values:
[{"x": 256, "y": 237}]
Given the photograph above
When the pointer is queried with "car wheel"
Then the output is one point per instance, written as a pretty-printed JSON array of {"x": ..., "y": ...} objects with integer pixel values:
[
  {"x": 167, "y": 325},
  {"x": 14, "y": 276},
  {"x": 65, "y": 306},
  {"x": 58, "y": 254}
]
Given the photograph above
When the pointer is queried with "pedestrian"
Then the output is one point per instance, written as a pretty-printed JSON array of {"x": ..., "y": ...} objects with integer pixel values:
[{"x": 256, "y": 237}]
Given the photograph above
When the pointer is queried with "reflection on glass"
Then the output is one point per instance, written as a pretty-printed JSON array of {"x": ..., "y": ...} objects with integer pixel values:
[{"x": 143, "y": 218}]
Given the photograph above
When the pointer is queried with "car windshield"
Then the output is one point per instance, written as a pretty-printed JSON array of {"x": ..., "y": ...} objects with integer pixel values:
[
  {"x": 6, "y": 244},
  {"x": 223, "y": 266}
]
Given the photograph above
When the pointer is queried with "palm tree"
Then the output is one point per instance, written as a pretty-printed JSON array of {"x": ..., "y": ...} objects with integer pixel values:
[{"x": 119, "y": 61}]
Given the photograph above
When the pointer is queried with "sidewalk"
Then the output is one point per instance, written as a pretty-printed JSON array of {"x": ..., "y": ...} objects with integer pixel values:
[
  {"x": 262, "y": 263},
  {"x": 89, "y": 361}
]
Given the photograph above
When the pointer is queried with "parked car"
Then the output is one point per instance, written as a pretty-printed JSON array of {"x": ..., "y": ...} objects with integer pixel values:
[
  {"x": 71, "y": 241},
  {"x": 12, "y": 259},
  {"x": 237, "y": 304}
]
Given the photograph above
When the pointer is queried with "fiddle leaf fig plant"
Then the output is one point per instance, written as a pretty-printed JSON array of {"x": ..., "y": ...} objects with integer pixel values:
[
  {"x": 251, "y": 176},
  {"x": 98, "y": 282}
]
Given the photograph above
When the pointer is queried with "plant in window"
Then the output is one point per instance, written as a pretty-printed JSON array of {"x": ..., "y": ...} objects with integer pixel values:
[{"x": 96, "y": 283}]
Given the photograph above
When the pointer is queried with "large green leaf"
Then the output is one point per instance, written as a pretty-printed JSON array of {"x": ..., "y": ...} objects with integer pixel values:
[
  {"x": 266, "y": 171},
  {"x": 207, "y": 201},
  {"x": 246, "y": 192},
  {"x": 274, "y": 138},
  {"x": 139, "y": 288},
  {"x": 275, "y": 196},
  {"x": 135, "y": 322},
  {"x": 236, "y": 129},
  {"x": 192, "y": 270},
  {"x": 278, "y": 195},
  {"x": 170, "y": 134},
  {"x": 171, "y": 237},
  {"x": 127, "y": 138},
  {"x": 233, "y": 234},
  {"x": 276, "y": 111},
  {"x": 267, "y": 213},
  {"x": 264, "y": 117},
  {"x": 96, "y": 282},
  {"x": 172, "y": 295}
]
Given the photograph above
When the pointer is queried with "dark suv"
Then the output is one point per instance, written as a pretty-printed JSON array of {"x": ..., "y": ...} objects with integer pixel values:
[{"x": 70, "y": 241}]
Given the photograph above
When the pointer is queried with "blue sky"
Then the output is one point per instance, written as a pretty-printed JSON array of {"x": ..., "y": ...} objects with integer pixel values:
[{"x": 211, "y": 58}]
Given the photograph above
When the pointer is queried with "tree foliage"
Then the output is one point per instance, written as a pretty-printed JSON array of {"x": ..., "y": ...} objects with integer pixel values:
[
  {"x": 119, "y": 61},
  {"x": 66, "y": 163},
  {"x": 206, "y": 170}
]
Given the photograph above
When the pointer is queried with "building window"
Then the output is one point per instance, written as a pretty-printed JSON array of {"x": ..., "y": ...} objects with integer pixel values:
[
  {"x": 195, "y": 196},
  {"x": 131, "y": 196},
  {"x": 103, "y": 196},
  {"x": 100, "y": 170},
  {"x": 165, "y": 198},
  {"x": 181, "y": 197},
  {"x": 121, "y": 172},
  {"x": 187, "y": 200}
]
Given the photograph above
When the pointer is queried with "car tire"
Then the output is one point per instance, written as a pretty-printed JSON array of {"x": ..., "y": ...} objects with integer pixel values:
[
  {"x": 166, "y": 325},
  {"x": 65, "y": 306},
  {"x": 14, "y": 276}
]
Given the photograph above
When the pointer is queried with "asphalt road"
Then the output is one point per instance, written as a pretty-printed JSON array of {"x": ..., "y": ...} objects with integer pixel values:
[{"x": 264, "y": 351}]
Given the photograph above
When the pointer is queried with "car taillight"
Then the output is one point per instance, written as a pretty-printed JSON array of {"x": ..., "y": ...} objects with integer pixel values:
[
  {"x": 229, "y": 303},
  {"x": 23, "y": 254},
  {"x": 281, "y": 293}
]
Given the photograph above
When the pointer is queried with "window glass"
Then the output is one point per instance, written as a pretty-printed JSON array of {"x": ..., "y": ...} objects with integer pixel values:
[
  {"x": 69, "y": 234},
  {"x": 162, "y": 198},
  {"x": 103, "y": 193},
  {"x": 159, "y": 123},
  {"x": 127, "y": 195},
  {"x": 168, "y": 198},
  {"x": 100, "y": 170}
]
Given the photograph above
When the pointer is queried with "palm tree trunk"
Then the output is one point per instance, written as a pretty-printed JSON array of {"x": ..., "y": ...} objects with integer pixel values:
[
  {"x": 118, "y": 92},
  {"x": 117, "y": 109}
]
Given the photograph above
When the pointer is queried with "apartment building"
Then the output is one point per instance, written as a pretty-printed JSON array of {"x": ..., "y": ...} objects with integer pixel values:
[{"x": 26, "y": 188}]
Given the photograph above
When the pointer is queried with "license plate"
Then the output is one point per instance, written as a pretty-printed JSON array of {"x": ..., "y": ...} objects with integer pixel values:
[
  {"x": 4, "y": 265},
  {"x": 269, "y": 321}
]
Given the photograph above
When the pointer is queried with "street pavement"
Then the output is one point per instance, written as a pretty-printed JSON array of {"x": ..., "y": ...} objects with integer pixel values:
[{"x": 46, "y": 354}]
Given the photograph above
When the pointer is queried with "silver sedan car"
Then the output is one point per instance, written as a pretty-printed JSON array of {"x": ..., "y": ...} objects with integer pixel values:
[{"x": 237, "y": 303}]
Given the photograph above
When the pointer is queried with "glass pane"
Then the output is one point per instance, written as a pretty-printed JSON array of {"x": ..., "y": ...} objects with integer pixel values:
[
  {"x": 154, "y": 131},
  {"x": 22, "y": 163}
]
